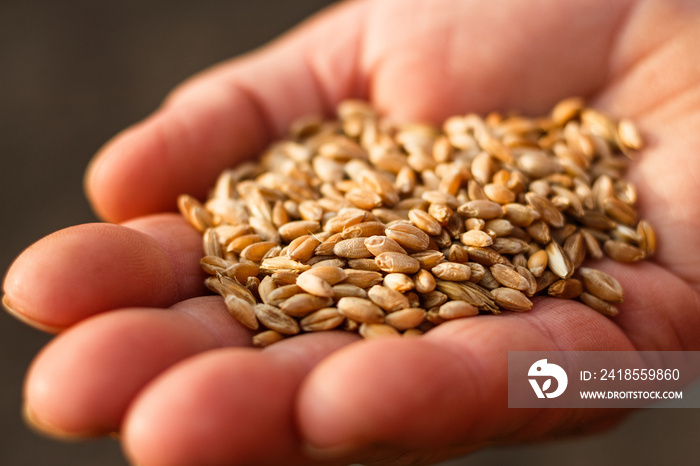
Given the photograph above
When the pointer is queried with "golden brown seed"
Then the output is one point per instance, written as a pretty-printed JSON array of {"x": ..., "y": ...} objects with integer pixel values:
[
  {"x": 285, "y": 277},
  {"x": 499, "y": 193},
  {"x": 424, "y": 221},
  {"x": 457, "y": 309},
  {"x": 598, "y": 304},
  {"x": 388, "y": 299},
  {"x": 242, "y": 271},
  {"x": 298, "y": 228},
  {"x": 438, "y": 197},
  {"x": 344, "y": 220},
  {"x": 380, "y": 244},
  {"x": 509, "y": 277},
  {"x": 398, "y": 281},
  {"x": 476, "y": 238},
  {"x": 302, "y": 248},
  {"x": 266, "y": 338},
  {"x": 457, "y": 253},
  {"x": 301, "y": 304},
  {"x": 485, "y": 256},
  {"x": 424, "y": 281},
  {"x": 537, "y": 164},
  {"x": 509, "y": 246},
  {"x": 363, "y": 264},
  {"x": 593, "y": 247},
  {"x": 629, "y": 135},
  {"x": 326, "y": 247},
  {"x": 281, "y": 263},
  {"x": 529, "y": 278},
  {"x": 441, "y": 213},
  {"x": 647, "y": 238},
  {"x": 344, "y": 290},
  {"x": 256, "y": 251},
  {"x": 314, "y": 285},
  {"x": 404, "y": 319},
  {"x": 239, "y": 244},
  {"x": 452, "y": 271},
  {"x": 620, "y": 211},
  {"x": 370, "y": 331},
  {"x": 242, "y": 310},
  {"x": 622, "y": 252},
  {"x": 362, "y": 278},
  {"x": 352, "y": 248},
  {"x": 548, "y": 212},
  {"x": 567, "y": 109},
  {"x": 363, "y": 199},
  {"x": 432, "y": 299},
  {"x": 537, "y": 262},
  {"x": 360, "y": 310},
  {"x": 324, "y": 319},
  {"x": 520, "y": 214},
  {"x": 575, "y": 248},
  {"x": 602, "y": 285},
  {"x": 397, "y": 262},
  {"x": 408, "y": 236},
  {"x": 274, "y": 319},
  {"x": 364, "y": 229},
  {"x": 276, "y": 296},
  {"x": 539, "y": 231},
  {"x": 568, "y": 288},
  {"x": 483, "y": 209},
  {"x": 429, "y": 259},
  {"x": 511, "y": 299}
]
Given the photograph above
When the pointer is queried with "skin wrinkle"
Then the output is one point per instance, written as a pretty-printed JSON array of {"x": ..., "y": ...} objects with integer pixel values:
[{"x": 224, "y": 335}]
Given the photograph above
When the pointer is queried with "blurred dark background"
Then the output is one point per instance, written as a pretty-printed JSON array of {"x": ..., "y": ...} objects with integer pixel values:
[{"x": 75, "y": 72}]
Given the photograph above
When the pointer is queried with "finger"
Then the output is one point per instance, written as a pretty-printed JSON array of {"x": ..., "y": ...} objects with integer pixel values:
[
  {"x": 661, "y": 311},
  {"x": 446, "y": 389},
  {"x": 233, "y": 406},
  {"x": 223, "y": 116},
  {"x": 87, "y": 269},
  {"x": 82, "y": 382},
  {"x": 469, "y": 56}
]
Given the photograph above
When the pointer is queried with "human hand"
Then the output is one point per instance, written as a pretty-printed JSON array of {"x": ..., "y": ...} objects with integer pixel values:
[{"x": 179, "y": 384}]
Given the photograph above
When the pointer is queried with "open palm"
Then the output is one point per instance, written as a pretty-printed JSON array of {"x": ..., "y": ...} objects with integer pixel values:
[{"x": 144, "y": 351}]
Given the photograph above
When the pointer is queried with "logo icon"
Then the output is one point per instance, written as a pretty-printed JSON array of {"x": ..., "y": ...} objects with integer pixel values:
[{"x": 543, "y": 369}]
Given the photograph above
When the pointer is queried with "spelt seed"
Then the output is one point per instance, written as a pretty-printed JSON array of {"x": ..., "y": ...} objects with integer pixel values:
[
  {"x": 598, "y": 304},
  {"x": 302, "y": 304},
  {"x": 388, "y": 299},
  {"x": 266, "y": 338},
  {"x": 568, "y": 288},
  {"x": 242, "y": 310},
  {"x": 511, "y": 299},
  {"x": 457, "y": 310},
  {"x": 324, "y": 319},
  {"x": 370, "y": 331},
  {"x": 404, "y": 319},
  {"x": 360, "y": 310},
  {"x": 452, "y": 271},
  {"x": 602, "y": 285},
  {"x": 397, "y": 262},
  {"x": 274, "y": 319},
  {"x": 476, "y": 238}
]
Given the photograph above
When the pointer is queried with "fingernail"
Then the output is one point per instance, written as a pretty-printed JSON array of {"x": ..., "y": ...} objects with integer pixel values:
[
  {"x": 23, "y": 318},
  {"x": 41, "y": 427}
]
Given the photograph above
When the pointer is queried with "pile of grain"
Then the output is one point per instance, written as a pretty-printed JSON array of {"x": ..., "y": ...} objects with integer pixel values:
[{"x": 365, "y": 225}]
